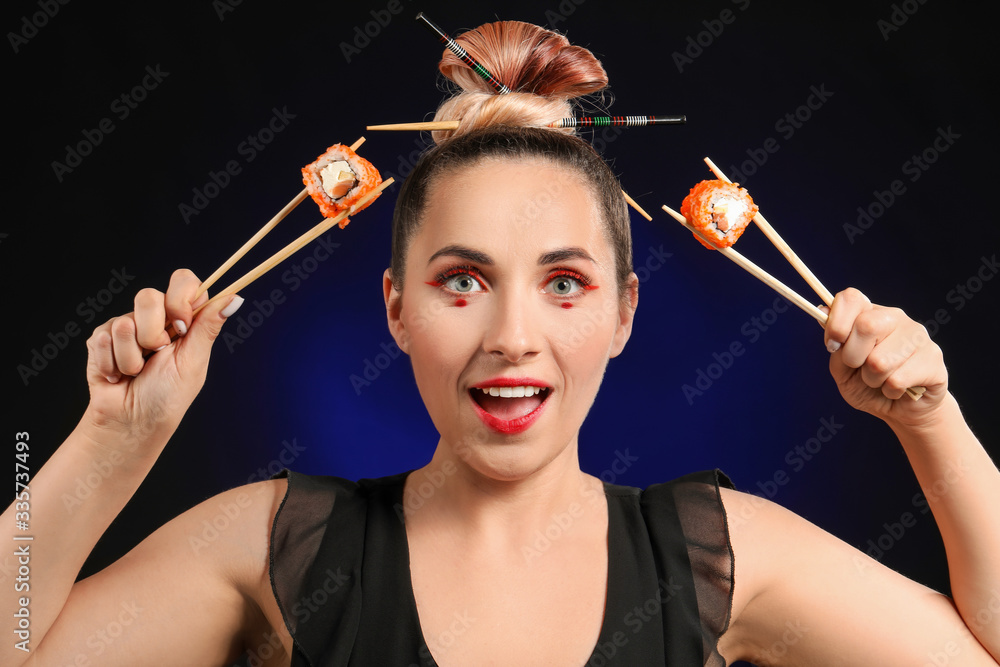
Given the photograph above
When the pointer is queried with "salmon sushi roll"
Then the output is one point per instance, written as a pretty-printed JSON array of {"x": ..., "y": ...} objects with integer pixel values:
[
  {"x": 338, "y": 179},
  {"x": 719, "y": 210}
]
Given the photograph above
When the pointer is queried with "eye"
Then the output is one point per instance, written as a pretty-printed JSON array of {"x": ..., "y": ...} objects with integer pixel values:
[
  {"x": 463, "y": 283},
  {"x": 566, "y": 283}
]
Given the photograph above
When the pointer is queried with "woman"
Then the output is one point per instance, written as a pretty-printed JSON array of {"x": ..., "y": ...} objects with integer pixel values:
[{"x": 511, "y": 273}]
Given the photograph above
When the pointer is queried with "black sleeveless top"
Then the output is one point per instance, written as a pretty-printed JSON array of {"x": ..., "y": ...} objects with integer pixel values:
[{"x": 340, "y": 572}]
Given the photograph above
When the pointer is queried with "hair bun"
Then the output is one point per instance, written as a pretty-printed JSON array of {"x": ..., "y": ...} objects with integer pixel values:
[
  {"x": 543, "y": 69},
  {"x": 527, "y": 59}
]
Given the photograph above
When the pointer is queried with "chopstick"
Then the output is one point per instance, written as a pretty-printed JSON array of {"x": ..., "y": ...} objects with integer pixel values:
[
  {"x": 782, "y": 247},
  {"x": 272, "y": 223},
  {"x": 913, "y": 392},
  {"x": 756, "y": 271},
  {"x": 295, "y": 245},
  {"x": 577, "y": 121},
  {"x": 453, "y": 125}
]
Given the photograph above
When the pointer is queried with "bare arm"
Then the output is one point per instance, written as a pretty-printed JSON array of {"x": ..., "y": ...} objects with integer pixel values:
[
  {"x": 136, "y": 404},
  {"x": 858, "y": 611}
]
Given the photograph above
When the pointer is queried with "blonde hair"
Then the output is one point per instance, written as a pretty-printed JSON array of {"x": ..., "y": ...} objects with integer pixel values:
[{"x": 545, "y": 74}]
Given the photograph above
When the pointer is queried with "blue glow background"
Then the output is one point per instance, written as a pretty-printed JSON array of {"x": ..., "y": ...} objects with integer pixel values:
[{"x": 290, "y": 380}]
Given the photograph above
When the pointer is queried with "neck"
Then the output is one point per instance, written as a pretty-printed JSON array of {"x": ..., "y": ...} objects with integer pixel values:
[{"x": 451, "y": 493}]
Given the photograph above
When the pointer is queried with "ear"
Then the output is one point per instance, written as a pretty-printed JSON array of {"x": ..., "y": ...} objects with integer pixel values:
[
  {"x": 626, "y": 314},
  {"x": 393, "y": 312}
]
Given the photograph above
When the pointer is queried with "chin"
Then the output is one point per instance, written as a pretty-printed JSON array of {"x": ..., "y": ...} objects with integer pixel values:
[{"x": 503, "y": 458}]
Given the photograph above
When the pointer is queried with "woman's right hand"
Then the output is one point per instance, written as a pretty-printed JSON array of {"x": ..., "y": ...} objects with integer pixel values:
[{"x": 139, "y": 397}]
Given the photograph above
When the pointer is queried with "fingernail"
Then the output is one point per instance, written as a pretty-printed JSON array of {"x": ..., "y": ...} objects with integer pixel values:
[
  {"x": 160, "y": 348},
  {"x": 832, "y": 346},
  {"x": 233, "y": 306},
  {"x": 113, "y": 379},
  {"x": 180, "y": 327}
]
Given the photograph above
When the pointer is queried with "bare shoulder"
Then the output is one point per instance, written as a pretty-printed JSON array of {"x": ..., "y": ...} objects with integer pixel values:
[
  {"x": 197, "y": 589},
  {"x": 802, "y": 596}
]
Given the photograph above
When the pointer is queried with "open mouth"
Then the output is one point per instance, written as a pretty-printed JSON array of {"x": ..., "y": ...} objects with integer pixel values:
[{"x": 509, "y": 409}]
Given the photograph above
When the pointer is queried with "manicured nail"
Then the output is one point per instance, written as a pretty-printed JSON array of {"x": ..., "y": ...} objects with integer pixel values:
[
  {"x": 233, "y": 306},
  {"x": 832, "y": 346},
  {"x": 180, "y": 327}
]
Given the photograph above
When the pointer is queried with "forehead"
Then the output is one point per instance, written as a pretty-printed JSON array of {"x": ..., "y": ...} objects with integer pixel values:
[{"x": 522, "y": 204}]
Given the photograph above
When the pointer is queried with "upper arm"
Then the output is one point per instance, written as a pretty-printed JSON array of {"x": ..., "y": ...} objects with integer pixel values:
[
  {"x": 804, "y": 597},
  {"x": 191, "y": 593}
]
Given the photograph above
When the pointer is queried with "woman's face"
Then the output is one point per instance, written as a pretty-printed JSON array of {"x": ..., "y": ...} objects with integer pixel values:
[{"x": 509, "y": 287}]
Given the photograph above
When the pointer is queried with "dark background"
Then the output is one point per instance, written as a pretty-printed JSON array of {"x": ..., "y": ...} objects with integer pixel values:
[{"x": 289, "y": 382}]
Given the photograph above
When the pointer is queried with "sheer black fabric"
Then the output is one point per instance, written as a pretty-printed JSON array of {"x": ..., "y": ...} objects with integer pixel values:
[{"x": 340, "y": 573}]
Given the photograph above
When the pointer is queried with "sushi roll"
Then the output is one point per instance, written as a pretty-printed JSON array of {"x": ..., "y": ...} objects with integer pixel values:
[
  {"x": 719, "y": 210},
  {"x": 338, "y": 179}
]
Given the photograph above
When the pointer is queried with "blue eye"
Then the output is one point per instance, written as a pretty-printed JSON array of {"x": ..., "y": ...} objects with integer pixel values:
[{"x": 463, "y": 283}]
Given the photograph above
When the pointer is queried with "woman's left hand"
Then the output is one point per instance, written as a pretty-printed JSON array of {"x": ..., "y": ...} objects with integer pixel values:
[{"x": 877, "y": 353}]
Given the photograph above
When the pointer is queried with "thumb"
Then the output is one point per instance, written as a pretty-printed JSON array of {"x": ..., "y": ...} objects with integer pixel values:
[{"x": 207, "y": 326}]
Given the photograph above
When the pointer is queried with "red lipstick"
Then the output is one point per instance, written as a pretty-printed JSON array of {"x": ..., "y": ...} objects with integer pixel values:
[{"x": 510, "y": 426}]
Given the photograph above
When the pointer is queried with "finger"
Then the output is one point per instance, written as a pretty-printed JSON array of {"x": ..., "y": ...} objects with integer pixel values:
[
  {"x": 101, "y": 358},
  {"x": 846, "y": 307},
  {"x": 205, "y": 329},
  {"x": 870, "y": 328},
  {"x": 127, "y": 351},
  {"x": 150, "y": 316},
  {"x": 923, "y": 368},
  {"x": 889, "y": 357},
  {"x": 180, "y": 301}
]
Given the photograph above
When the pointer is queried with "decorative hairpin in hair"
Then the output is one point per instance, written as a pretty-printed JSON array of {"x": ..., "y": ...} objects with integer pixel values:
[
  {"x": 463, "y": 55},
  {"x": 578, "y": 121},
  {"x": 499, "y": 87},
  {"x": 618, "y": 121}
]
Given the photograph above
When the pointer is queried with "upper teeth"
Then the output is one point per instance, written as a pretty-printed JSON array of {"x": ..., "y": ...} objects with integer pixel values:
[{"x": 512, "y": 392}]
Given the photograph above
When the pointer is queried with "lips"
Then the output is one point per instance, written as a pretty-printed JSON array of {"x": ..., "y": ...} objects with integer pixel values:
[{"x": 509, "y": 405}]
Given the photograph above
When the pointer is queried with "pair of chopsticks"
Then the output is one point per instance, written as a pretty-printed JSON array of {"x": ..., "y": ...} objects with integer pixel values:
[
  {"x": 913, "y": 392},
  {"x": 289, "y": 249}
]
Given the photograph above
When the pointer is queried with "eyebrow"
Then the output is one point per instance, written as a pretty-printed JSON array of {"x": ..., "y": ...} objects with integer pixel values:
[{"x": 551, "y": 257}]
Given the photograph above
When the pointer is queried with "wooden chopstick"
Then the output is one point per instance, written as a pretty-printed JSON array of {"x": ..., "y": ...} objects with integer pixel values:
[
  {"x": 780, "y": 244},
  {"x": 428, "y": 125},
  {"x": 272, "y": 223},
  {"x": 295, "y": 245},
  {"x": 756, "y": 271},
  {"x": 913, "y": 392}
]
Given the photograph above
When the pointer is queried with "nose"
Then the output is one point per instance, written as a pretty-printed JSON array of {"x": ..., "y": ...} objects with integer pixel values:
[{"x": 515, "y": 331}]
